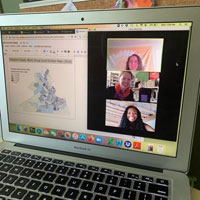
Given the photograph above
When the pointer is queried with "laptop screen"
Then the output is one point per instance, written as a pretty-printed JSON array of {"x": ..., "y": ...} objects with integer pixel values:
[{"x": 114, "y": 85}]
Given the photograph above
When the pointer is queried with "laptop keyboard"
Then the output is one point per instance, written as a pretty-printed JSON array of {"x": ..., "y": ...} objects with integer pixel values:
[{"x": 31, "y": 177}]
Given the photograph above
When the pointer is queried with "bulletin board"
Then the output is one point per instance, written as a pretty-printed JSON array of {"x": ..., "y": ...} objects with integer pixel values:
[
  {"x": 84, "y": 5},
  {"x": 176, "y": 2},
  {"x": 106, "y": 4}
]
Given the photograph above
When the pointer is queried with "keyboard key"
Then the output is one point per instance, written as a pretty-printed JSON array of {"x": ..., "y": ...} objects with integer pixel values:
[
  {"x": 133, "y": 176},
  {"x": 49, "y": 177},
  {"x": 6, "y": 151},
  {"x": 85, "y": 196},
  {"x": 21, "y": 182},
  {"x": 106, "y": 171},
  {"x": 138, "y": 185},
  {"x": 56, "y": 161},
  {"x": 93, "y": 168},
  {"x": 19, "y": 193},
  {"x": 71, "y": 194},
  {"x": 29, "y": 163},
  {"x": 62, "y": 170},
  {"x": 87, "y": 185},
  {"x": 86, "y": 174},
  {"x": 9, "y": 159},
  {"x": 82, "y": 166},
  {"x": 115, "y": 192},
  {"x": 39, "y": 165},
  {"x": 70, "y": 164},
  {"x": 129, "y": 195},
  {"x": 6, "y": 167},
  {"x": 124, "y": 182},
  {"x": 27, "y": 172},
  {"x": 73, "y": 172},
  {"x": 99, "y": 197},
  {"x": 111, "y": 180},
  {"x": 98, "y": 177},
  {"x": 58, "y": 190},
  {"x": 45, "y": 197},
  {"x": 158, "y": 189},
  {"x": 50, "y": 168},
  {"x": 160, "y": 198},
  {"x": 119, "y": 173},
  {"x": 16, "y": 170},
  {"x": 35, "y": 157},
  {"x": 7, "y": 190},
  {"x": 2, "y": 176},
  {"x": 25, "y": 155},
  {"x": 10, "y": 179},
  {"x": 31, "y": 196},
  {"x": 101, "y": 188},
  {"x": 45, "y": 187},
  {"x": 144, "y": 196},
  {"x": 15, "y": 153},
  {"x": 62, "y": 180},
  {"x": 33, "y": 185},
  {"x": 38, "y": 174},
  {"x": 162, "y": 181},
  {"x": 46, "y": 159},
  {"x": 147, "y": 178},
  {"x": 19, "y": 161},
  {"x": 74, "y": 182},
  {"x": 2, "y": 156}
]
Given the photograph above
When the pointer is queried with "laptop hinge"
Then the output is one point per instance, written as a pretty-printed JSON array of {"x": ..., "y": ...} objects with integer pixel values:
[{"x": 90, "y": 157}]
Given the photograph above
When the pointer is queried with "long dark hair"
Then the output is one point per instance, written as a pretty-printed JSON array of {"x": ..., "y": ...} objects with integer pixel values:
[
  {"x": 140, "y": 66},
  {"x": 137, "y": 124}
]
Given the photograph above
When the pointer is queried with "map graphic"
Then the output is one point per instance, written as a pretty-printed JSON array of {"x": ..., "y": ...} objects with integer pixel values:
[{"x": 44, "y": 99}]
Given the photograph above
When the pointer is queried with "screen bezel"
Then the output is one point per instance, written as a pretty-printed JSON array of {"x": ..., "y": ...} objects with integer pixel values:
[{"x": 190, "y": 98}]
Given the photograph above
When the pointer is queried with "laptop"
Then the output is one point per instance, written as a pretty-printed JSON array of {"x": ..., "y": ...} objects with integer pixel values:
[{"x": 98, "y": 104}]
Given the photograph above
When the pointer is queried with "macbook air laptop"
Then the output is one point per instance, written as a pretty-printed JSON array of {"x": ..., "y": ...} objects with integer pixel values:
[{"x": 98, "y": 104}]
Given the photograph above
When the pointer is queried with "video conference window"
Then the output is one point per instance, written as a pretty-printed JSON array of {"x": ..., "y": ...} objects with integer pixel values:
[
  {"x": 136, "y": 76},
  {"x": 133, "y": 71}
]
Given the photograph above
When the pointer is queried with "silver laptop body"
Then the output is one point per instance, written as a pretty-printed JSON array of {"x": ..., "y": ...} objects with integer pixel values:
[{"x": 55, "y": 69}]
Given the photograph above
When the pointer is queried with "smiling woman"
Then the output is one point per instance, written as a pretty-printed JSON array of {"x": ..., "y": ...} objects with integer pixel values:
[
  {"x": 121, "y": 91},
  {"x": 136, "y": 54},
  {"x": 134, "y": 62},
  {"x": 132, "y": 119}
]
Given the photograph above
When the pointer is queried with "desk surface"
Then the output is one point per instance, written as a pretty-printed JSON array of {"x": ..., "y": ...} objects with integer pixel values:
[{"x": 195, "y": 194}]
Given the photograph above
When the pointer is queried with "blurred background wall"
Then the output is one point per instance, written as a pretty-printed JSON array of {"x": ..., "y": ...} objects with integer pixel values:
[{"x": 10, "y": 6}]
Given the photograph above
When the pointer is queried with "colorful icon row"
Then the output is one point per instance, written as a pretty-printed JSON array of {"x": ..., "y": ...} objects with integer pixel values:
[{"x": 88, "y": 138}]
